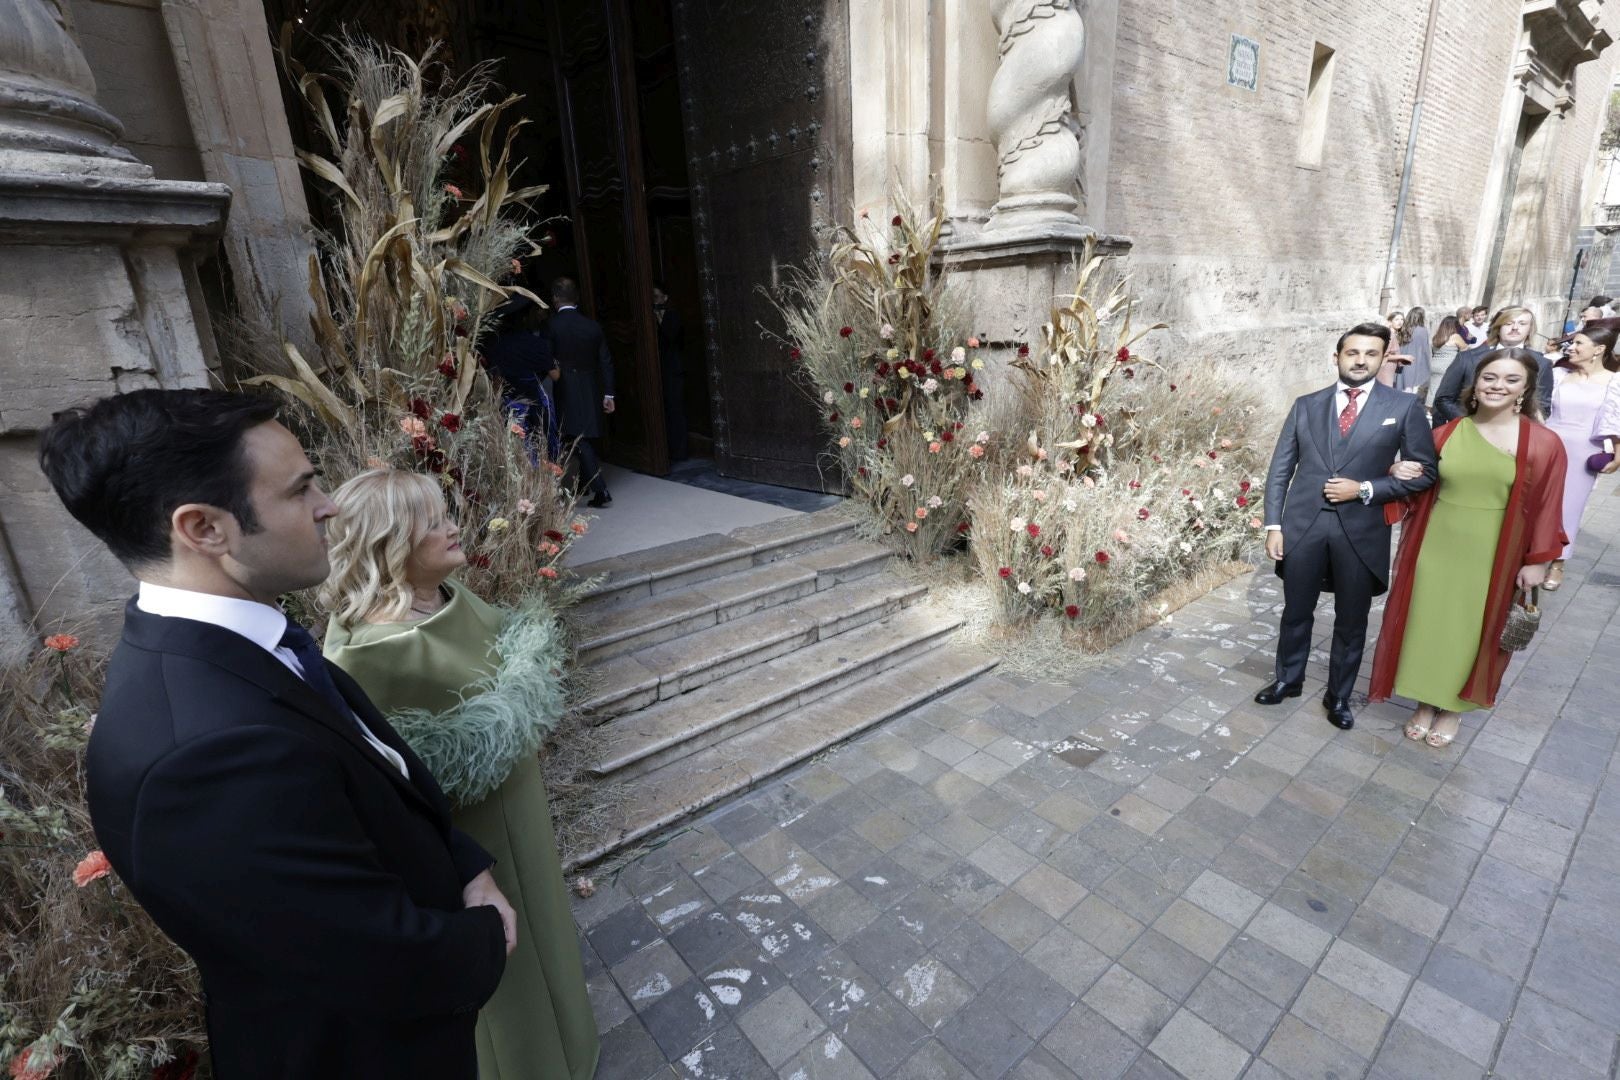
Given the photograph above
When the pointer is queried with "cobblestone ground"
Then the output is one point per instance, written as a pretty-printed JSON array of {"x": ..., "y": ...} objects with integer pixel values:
[{"x": 1144, "y": 874}]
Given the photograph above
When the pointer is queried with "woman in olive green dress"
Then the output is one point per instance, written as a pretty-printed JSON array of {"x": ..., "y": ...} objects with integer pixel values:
[
  {"x": 1485, "y": 532},
  {"x": 473, "y": 690}
]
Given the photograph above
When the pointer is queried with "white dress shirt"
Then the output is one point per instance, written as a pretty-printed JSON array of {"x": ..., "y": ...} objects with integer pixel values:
[
  {"x": 1341, "y": 399},
  {"x": 259, "y": 623}
]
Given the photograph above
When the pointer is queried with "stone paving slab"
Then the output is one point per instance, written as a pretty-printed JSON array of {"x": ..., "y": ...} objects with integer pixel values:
[{"x": 1142, "y": 874}]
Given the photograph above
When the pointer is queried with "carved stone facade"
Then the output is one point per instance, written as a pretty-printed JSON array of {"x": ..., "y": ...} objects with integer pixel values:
[{"x": 98, "y": 293}]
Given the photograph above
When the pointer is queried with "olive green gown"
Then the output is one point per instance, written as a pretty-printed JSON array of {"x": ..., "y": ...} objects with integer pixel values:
[
  {"x": 1453, "y": 575},
  {"x": 539, "y": 1025}
]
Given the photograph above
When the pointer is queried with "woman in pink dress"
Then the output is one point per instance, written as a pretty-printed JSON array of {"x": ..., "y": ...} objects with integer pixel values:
[{"x": 1583, "y": 384}]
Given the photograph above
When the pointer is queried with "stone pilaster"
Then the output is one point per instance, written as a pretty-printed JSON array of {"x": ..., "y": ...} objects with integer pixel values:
[{"x": 97, "y": 295}]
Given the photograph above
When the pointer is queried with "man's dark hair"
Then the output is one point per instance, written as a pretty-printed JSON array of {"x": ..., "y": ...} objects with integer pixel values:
[
  {"x": 1600, "y": 301},
  {"x": 1480, "y": 307},
  {"x": 565, "y": 291},
  {"x": 1366, "y": 329},
  {"x": 124, "y": 464}
]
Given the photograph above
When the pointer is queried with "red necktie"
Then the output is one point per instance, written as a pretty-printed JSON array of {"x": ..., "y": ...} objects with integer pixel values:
[{"x": 1347, "y": 418}]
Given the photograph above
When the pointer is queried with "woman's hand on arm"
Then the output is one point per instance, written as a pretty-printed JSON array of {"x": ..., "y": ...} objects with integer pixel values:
[{"x": 1406, "y": 470}]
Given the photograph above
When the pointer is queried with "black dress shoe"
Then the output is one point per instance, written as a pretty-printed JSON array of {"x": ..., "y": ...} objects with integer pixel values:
[
  {"x": 1276, "y": 692},
  {"x": 1338, "y": 713},
  {"x": 599, "y": 501}
]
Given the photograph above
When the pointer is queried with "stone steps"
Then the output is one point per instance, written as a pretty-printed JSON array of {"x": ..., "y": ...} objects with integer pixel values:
[
  {"x": 716, "y": 662},
  {"x": 632, "y": 579},
  {"x": 613, "y": 631},
  {"x": 643, "y": 741},
  {"x": 630, "y": 681},
  {"x": 677, "y": 790}
]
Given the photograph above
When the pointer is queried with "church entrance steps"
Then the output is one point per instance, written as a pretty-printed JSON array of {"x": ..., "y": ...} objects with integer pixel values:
[
  {"x": 716, "y": 662},
  {"x": 714, "y": 601},
  {"x": 692, "y": 783},
  {"x": 632, "y": 578}
]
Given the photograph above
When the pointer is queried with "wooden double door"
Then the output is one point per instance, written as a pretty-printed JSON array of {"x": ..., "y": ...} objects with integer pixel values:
[{"x": 701, "y": 144}]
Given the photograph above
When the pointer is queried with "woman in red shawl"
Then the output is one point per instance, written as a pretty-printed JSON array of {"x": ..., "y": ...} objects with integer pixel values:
[{"x": 1493, "y": 522}]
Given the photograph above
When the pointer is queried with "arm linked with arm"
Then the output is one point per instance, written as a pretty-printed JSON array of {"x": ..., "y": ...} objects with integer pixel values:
[{"x": 1417, "y": 446}]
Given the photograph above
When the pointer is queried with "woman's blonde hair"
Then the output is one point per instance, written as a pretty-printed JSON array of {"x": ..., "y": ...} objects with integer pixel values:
[
  {"x": 382, "y": 513},
  {"x": 1505, "y": 316}
]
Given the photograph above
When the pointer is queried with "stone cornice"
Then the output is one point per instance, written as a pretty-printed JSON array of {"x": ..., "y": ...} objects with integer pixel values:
[
  {"x": 46, "y": 208},
  {"x": 1559, "y": 35}
]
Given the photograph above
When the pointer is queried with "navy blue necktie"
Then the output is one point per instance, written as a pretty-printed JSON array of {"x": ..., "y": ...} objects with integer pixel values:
[{"x": 309, "y": 656}]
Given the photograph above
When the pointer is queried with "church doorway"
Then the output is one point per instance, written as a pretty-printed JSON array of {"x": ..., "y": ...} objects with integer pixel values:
[{"x": 687, "y": 149}]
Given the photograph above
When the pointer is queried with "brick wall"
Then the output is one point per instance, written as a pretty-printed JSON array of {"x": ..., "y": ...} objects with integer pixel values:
[{"x": 1258, "y": 259}]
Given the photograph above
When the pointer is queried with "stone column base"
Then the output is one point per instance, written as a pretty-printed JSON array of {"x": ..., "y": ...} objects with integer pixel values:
[{"x": 1014, "y": 277}]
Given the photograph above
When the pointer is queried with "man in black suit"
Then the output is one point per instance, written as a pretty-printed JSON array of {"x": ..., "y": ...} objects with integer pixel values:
[
  {"x": 585, "y": 391},
  {"x": 672, "y": 369},
  {"x": 247, "y": 793},
  {"x": 1325, "y": 491}
]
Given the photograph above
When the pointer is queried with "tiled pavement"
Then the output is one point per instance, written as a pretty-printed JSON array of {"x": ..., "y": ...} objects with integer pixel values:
[{"x": 1224, "y": 891}]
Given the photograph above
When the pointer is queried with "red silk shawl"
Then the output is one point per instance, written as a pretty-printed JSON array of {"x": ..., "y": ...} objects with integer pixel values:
[{"x": 1532, "y": 533}]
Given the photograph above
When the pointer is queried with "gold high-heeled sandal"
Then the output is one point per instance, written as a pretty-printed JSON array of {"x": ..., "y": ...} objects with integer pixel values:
[{"x": 1555, "y": 576}]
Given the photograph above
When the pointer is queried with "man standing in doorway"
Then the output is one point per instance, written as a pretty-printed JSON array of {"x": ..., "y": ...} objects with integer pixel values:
[
  {"x": 585, "y": 391},
  {"x": 671, "y": 366},
  {"x": 1325, "y": 491}
]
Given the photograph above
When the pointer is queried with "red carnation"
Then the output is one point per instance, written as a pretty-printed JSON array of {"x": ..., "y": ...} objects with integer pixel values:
[
  {"x": 793, "y": 354},
  {"x": 961, "y": 526},
  {"x": 1046, "y": 549},
  {"x": 1005, "y": 572},
  {"x": 1023, "y": 350},
  {"x": 862, "y": 471},
  {"x": 554, "y": 536},
  {"x": 890, "y": 404},
  {"x": 948, "y": 436},
  {"x": 1142, "y": 514},
  {"x": 928, "y": 354},
  {"x": 1124, "y": 355},
  {"x": 1243, "y": 486},
  {"x": 1102, "y": 558},
  {"x": 882, "y": 443},
  {"x": 421, "y": 408},
  {"x": 849, "y": 388},
  {"x": 1072, "y": 611},
  {"x": 1212, "y": 455},
  {"x": 896, "y": 222},
  {"x": 934, "y": 367},
  {"x": 845, "y": 331},
  {"x": 1243, "y": 500},
  {"x": 450, "y": 422},
  {"x": 1172, "y": 386},
  {"x": 1187, "y": 492},
  {"x": 447, "y": 366},
  {"x": 1135, "y": 485},
  {"x": 1033, "y": 529},
  {"x": 481, "y": 561},
  {"x": 883, "y": 368},
  {"x": 832, "y": 418}
]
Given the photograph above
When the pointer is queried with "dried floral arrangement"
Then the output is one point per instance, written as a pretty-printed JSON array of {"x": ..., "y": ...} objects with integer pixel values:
[
  {"x": 1090, "y": 481},
  {"x": 89, "y": 986}
]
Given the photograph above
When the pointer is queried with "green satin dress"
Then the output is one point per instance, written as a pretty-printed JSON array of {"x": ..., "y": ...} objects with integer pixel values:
[
  {"x": 1453, "y": 576},
  {"x": 539, "y": 1024}
]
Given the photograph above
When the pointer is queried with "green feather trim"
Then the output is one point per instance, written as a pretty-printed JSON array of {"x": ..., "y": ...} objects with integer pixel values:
[{"x": 472, "y": 748}]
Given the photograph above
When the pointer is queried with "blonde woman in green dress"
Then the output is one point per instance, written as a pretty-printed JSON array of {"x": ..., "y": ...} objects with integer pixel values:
[{"x": 473, "y": 690}]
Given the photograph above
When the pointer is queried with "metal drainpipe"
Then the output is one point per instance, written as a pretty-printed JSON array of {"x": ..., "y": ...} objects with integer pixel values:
[{"x": 1386, "y": 292}]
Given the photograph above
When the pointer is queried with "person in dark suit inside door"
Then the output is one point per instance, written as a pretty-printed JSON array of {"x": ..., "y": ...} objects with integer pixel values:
[
  {"x": 1325, "y": 527},
  {"x": 672, "y": 368},
  {"x": 248, "y": 794},
  {"x": 585, "y": 391}
]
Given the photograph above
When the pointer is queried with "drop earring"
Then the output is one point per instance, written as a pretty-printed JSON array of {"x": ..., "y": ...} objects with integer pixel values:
[{"x": 1518, "y": 406}]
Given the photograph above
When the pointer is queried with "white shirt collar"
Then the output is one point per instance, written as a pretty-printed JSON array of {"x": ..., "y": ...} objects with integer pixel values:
[
  {"x": 567, "y": 307},
  {"x": 1366, "y": 386},
  {"x": 259, "y": 623}
]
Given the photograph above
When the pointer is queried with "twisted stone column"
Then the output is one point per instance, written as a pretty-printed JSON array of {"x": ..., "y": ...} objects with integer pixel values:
[{"x": 1032, "y": 113}]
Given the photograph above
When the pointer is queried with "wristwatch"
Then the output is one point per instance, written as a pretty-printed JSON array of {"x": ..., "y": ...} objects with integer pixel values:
[{"x": 1365, "y": 490}]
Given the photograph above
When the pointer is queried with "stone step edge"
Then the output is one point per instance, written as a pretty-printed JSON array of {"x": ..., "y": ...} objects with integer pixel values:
[
  {"x": 775, "y": 578},
  {"x": 868, "y": 663},
  {"x": 739, "y": 780},
  {"x": 866, "y": 599},
  {"x": 604, "y": 592}
]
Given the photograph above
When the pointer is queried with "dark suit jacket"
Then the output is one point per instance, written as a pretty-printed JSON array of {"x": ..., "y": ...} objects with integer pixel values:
[
  {"x": 581, "y": 350},
  {"x": 1448, "y": 398},
  {"x": 1310, "y": 453},
  {"x": 317, "y": 889}
]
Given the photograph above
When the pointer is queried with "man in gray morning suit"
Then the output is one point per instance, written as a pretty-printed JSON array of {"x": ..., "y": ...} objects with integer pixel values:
[{"x": 1325, "y": 491}]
